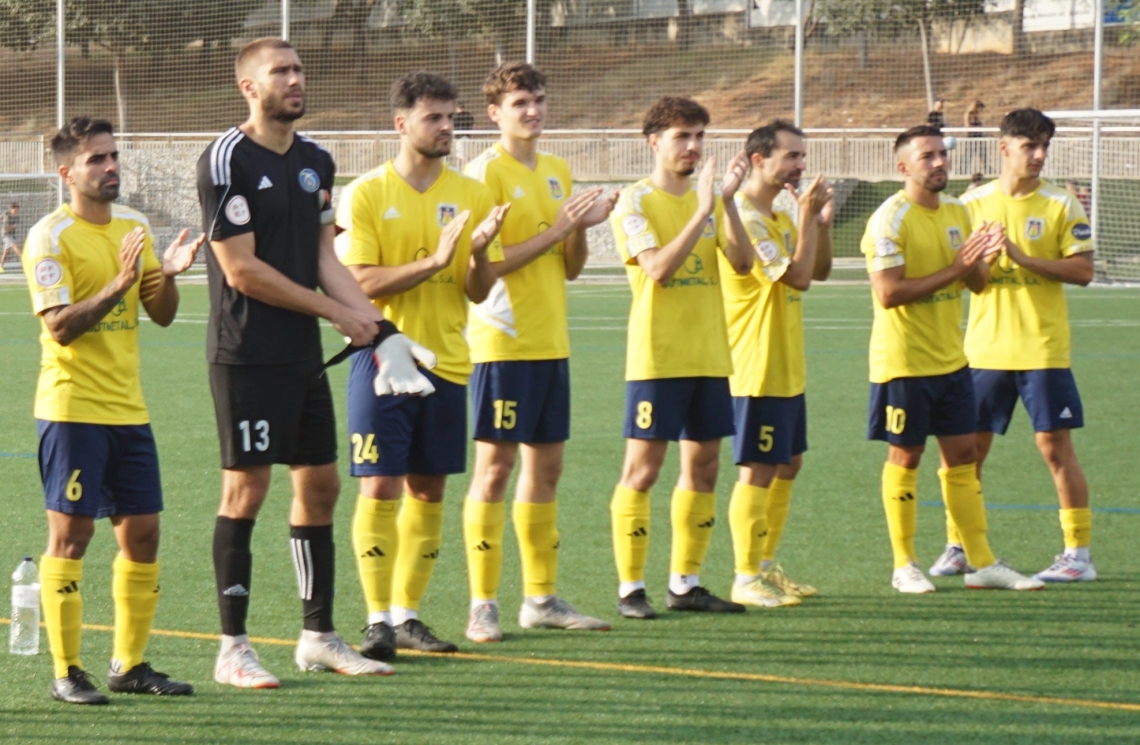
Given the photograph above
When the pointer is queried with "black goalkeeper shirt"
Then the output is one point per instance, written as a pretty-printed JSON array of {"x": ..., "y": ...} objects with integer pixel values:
[{"x": 283, "y": 199}]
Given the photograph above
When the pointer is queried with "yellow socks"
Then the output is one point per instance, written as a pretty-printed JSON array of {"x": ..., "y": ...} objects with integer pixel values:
[
  {"x": 483, "y": 537},
  {"x": 629, "y": 510},
  {"x": 63, "y": 610},
  {"x": 374, "y": 541},
  {"x": 537, "y": 528},
  {"x": 900, "y": 501},
  {"x": 779, "y": 500},
  {"x": 1077, "y": 527},
  {"x": 748, "y": 522},
  {"x": 134, "y": 587},
  {"x": 692, "y": 514},
  {"x": 962, "y": 493},
  {"x": 420, "y": 526}
]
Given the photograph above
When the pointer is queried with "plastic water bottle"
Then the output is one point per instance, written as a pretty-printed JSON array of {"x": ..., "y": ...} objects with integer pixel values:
[{"x": 25, "y": 628}]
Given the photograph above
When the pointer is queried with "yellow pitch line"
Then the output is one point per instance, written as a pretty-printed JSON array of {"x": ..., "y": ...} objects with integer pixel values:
[{"x": 692, "y": 673}]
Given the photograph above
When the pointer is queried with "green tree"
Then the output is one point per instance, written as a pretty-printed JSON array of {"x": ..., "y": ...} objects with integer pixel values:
[
  {"x": 492, "y": 20},
  {"x": 866, "y": 19},
  {"x": 123, "y": 27}
]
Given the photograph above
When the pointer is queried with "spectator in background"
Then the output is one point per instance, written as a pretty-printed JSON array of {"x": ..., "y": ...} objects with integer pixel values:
[
  {"x": 974, "y": 118},
  {"x": 936, "y": 117},
  {"x": 976, "y": 180},
  {"x": 464, "y": 119},
  {"x": 1082, "y": 193},
  {"x": 8, "y": 238}
]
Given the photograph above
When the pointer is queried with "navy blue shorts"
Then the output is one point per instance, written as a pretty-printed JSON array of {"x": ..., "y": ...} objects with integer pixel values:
[
  {"x": 678, "y": 409},
  {"x": 398, "y": 435},
  {"x": 522, "y": 401},
  {"x": 99, "y": 470},
  {"x": 904, "y": 411},
  {"x": 769, "y": 429},
  {"x": 1050, "y": 396}
]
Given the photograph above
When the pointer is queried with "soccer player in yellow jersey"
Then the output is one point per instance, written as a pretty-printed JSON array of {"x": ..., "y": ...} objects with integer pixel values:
[
  {"x": 765, "y": 330},
  {"x": 1017, "y": 340},
  {"x": 420, "y": 238},
  {"x": 677, "y": 355},
  {"x": 520, "y": 346},
  {"x": 920, "y": 252},
  {"x": 90, "y": 265}
]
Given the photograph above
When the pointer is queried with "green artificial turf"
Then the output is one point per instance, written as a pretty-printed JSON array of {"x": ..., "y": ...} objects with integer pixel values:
[{"x": 859, "y": 663}]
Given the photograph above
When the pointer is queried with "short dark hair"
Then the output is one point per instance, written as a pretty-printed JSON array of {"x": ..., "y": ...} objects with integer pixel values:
[
  {"x": 922, "y": 130},
  {"x": 254, "y": 48},
  {"x": 414, "y": 86},
  {"x": 1028, "y": 123},
  {"x": 763, "y": 140},
  {"x": 672, "y": 110},
  {"x": 512, "y": 76},
  {"x": 72, "y": 135},
  {"x": 14, "y": 206}
]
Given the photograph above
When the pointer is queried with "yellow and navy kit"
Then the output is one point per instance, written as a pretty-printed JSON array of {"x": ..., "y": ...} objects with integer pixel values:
[
  {"x": 676, "y": 330},
  {"x": 764, "y": 315},
  {"x": 386, "y": 222},
  {"x": 1021, "y": 321},
  {"x": 95, "y": 379},
  {"x": 524, "y": 317},
  {"x": 922, "y": 338}
]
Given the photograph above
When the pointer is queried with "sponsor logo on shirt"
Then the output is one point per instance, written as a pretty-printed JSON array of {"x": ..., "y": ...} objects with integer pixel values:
[
  {"x": 1082, "y": 231},
  {"x": 309, "y": 180},
  {"x": 768, "y": 251},
  {"x": 265, "y": 183},
  {"x": 633, "y": 225},
  {"x": 886, "y": 247},
  {"x": 237, "y": 210},
  {"x": 48, "y": 272},
  {"x": 1034, "y": 228},
  {"x": 694, "y": 265}
]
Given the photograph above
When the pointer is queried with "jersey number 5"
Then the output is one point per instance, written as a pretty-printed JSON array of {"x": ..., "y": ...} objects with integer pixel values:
[{"x": 261, "y": 429}]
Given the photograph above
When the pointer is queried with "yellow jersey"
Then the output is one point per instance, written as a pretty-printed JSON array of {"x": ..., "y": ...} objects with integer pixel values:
[
  {"x": 524, "y": 317},
  {"x": 676, "y": 330},
  {"x": 764, "y": 315},
  {"x": 385, "y": 222},
  {"x": 94, "y": 379},
  {"x": 1021, "y": 321},
  {"x": 925, "y": 337}
]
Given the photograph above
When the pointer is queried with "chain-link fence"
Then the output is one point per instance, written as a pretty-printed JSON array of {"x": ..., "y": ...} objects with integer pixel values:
[{"x": 854, "y": 72}]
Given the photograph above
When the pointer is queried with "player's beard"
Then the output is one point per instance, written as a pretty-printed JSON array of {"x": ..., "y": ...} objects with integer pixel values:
[
  {"x": 274, "y": 108},
  {"x": 933, "y": 185},
  {"x": 433, "y": 150},
  {"x": 102, "y": 193}
]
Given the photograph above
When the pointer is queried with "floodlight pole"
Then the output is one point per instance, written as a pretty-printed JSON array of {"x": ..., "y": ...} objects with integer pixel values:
[
  {"x": 285, "y": 20},
  {"x": 60, "y": 41},
  {"x": 530, "y": 26},
  {"x": 1098, "y": 73},
  {"x": 799, "y": 67}
]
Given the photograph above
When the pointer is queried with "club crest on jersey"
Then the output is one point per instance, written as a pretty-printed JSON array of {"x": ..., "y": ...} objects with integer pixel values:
[
  {"x": 1034, "y": 228},
  {"x": 710, "y": 228},
  {"x": 48, "y": 272},
  {"x": 555, "y": 187},
  {"x": 955, "y": 236},
  {"x": 447, "y": 213},
  {"x": 309, "y": 180}
]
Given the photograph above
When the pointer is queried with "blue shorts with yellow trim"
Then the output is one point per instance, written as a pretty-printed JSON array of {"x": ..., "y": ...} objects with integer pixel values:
[
  {"x": 398, "y": 435},
  {"x": 1050, "y": 396},
  {"x": 904, "y": 411},
  {"x": 769, "y": 429},
  {"x": 678, "y": 409},
  {"x": 521, "y": 401},
  {"x": 99, "y": 470}
]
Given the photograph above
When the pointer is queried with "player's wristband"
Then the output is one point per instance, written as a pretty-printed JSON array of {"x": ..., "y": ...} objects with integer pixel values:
[{"x": 387, "y": 329}]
